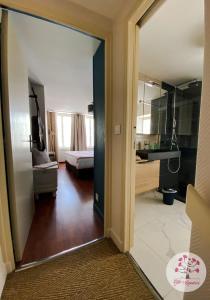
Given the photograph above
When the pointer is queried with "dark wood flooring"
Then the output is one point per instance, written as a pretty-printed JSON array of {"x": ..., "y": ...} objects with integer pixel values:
[{"x": 63, "y": 222}]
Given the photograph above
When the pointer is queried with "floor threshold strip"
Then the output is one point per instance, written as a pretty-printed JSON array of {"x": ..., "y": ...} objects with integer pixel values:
[{"x": 52, "y": 257}]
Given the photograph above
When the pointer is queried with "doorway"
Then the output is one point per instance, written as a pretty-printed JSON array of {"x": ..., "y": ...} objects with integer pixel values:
[
  {"x": 166, "y": 105},
  {"x": 68, "y": 210}
]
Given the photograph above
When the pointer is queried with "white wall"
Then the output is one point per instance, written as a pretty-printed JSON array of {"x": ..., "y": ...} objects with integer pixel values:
[
  {"x": 73, "y": 92},
  {"x": 59, "y": 58},
  {"x": 119, "y": 97},
  {"x": 198, "y": 245},
  {"x": 203, "y": 158}
]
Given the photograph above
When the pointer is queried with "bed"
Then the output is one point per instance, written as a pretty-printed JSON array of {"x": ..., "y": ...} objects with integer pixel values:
[{"x": 80, "y": 162}]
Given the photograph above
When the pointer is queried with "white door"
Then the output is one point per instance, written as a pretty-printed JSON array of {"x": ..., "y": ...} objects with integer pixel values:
[{"x": 17, "y": 130}]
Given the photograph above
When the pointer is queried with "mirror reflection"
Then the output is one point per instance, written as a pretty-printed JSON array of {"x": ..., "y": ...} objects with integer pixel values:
[{"x": 151, "y": 108}]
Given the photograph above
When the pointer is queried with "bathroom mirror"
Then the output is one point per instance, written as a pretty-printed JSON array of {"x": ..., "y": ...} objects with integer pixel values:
[{"x": 151, "y": 108}]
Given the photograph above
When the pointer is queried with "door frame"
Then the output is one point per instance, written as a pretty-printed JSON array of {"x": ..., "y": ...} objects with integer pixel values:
[
  {"x": 131, "y": 111},
  {"x": 78, "y": 25}
]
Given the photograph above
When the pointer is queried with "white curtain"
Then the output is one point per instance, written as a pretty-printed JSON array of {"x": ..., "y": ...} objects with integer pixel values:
[{"x": 78, "y": 133}]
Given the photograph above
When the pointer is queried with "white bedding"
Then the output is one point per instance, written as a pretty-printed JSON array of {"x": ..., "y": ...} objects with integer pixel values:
[{"x": 80, "y": 159}]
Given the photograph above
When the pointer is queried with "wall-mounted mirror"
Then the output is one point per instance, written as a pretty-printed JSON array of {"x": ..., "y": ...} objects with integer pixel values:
[{"x": 151, "y": 108}]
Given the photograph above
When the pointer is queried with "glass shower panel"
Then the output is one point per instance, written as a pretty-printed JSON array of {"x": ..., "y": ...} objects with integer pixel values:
[{"x": 151, "y": 109}]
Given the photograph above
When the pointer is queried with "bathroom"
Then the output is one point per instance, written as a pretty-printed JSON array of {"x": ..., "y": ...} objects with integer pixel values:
[
  {"x": 168, "y": 120},
  {"x": 167, "y": 136}
]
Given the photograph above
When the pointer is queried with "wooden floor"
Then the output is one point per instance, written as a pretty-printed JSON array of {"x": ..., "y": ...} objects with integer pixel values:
[{"x": 64, "y": 222}]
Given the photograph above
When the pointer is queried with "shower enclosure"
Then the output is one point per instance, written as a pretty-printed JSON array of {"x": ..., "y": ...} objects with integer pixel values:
[
  {"x": 186, "y": 112},
  {"x": 169, "y": 115}
]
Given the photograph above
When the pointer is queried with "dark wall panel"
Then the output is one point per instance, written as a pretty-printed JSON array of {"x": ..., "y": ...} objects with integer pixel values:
[
  {"x": 99, "y": 117},
  {"x": 187, "y": 120}
]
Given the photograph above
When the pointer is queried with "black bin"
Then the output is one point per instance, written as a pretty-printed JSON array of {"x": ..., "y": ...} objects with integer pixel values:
[{"x": 168, "y": 196}]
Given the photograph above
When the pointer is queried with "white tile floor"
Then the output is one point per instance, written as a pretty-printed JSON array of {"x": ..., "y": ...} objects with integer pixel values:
[{"x": 160, "y": 232}]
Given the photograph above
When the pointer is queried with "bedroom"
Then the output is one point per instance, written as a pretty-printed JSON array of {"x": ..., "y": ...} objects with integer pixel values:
[{"x": 59, "y": 169}]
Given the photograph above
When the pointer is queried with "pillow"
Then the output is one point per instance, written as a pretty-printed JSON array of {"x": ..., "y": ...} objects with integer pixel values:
[{"x": 39, "y": 157}]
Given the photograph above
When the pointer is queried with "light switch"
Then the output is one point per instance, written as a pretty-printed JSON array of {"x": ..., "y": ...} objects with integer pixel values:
[{"x": 117, "y": 129}]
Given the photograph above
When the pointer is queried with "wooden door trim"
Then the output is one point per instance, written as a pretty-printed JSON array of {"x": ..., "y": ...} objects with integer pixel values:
[
  {"x": 6, "y": 237},
  {"x": 132, "y": 84}
]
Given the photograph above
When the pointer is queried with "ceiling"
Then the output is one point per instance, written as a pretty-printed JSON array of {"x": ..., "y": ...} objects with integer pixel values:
[
  {"x": 60, "y": 59},
  {"x": 107, "y": 8},
  {"x": 172, "y": 42}
]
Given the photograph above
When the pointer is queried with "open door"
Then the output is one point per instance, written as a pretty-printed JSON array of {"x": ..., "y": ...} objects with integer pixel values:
[
  {"x": 99, "y": 118},
  {"x": 16, "y": 120}
]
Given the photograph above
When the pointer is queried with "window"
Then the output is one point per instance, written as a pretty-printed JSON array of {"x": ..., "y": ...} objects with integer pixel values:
[
  {"x": 146, "y": 125},
  {"x": 143, "y": 124},
  {"x": 89, "y": 125},
  {"x": 64, "y": 130},
  {"x": 64, "y": 123}
]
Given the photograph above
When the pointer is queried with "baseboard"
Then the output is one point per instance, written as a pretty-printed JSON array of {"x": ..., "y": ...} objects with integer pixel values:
[
  {"x": 9, "y": 267},
  {"x": 116, "y": 240},
  {"x": 5, "y": 268},
  {"x": 3, "y": 275},
  {"x": 106, "y": 232}
]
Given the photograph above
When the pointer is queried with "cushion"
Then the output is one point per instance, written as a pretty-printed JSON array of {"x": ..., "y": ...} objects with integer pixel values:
[{"x": 39, "y": 157}]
